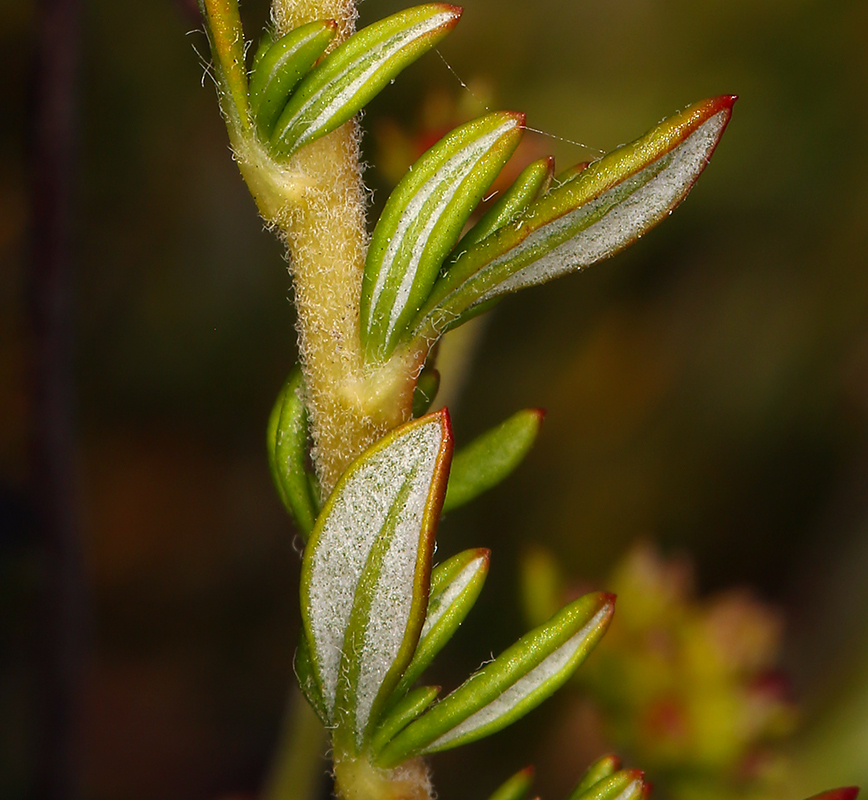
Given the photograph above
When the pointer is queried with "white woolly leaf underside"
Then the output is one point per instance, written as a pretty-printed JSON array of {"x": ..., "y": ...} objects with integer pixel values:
[
  {"x": 370, "y": 62},
  {"x": 549, "y": 670},
  {"x": 444, "y": 601},
  {"x": 626, "y": 222},
  {"x": 421, "y": 215},
  {"x": 342, "y": 548}
]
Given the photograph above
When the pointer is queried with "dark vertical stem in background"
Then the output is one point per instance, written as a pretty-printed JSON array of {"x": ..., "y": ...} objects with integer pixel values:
[{"x": 61, "y": 634}]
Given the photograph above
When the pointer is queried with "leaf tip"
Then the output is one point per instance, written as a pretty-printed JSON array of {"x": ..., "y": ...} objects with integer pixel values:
[
  {"x": 539, "y": 413},
  {"x": 453, "y": 15}
]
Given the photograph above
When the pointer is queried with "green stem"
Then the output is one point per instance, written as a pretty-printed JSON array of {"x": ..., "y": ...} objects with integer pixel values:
[{"x": 299, "y": 763}]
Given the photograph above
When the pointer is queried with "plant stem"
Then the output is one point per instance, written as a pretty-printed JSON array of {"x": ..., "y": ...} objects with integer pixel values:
[
  {"x": 317, "y": 202},
  {"x": 299, "y": 764}
]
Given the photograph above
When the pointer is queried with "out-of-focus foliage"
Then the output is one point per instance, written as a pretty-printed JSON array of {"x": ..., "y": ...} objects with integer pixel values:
[{"x": 690, "y": 688}]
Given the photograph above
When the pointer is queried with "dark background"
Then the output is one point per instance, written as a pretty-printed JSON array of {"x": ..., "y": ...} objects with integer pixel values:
[{"x": 707, "y": 389}]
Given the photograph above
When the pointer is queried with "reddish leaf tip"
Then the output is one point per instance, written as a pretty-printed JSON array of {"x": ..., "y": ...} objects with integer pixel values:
[
  {"x": 614, "y": 761},
  {"x": 539, "y": 413},
  {"x": 520, "y": 118},
  {"x": 456, "y": 11}
]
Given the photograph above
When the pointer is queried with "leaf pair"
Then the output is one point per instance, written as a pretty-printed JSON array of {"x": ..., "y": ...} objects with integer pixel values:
[
  {"x": 375, "y": 615},
  {"x": 419, "y": 280},
  {"x": 366, "y": 573},
  {"x": 422, "y": 221},
  {"x": 595, "y": 212},
  {"x": 295, "y": 95},
  {"x": 476, "y": 468}
]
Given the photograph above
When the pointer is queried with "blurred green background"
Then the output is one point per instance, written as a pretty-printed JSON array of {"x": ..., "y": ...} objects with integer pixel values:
[{"x": 708, "y": 389}]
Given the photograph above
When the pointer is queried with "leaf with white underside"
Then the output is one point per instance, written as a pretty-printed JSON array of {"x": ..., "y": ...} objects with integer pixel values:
[
  {"x": 404, "y": 712},
  {"x": 513, "y": 684},
  {"x": 287, "y": 439},
  {"x": 533, "y": 181},
  {"x": 307, "y": 680},
  {"x": 366, "y": 571},
  {"x": 514, "y": 787},
  {"x": 601, "y": 769},
  {"x": 595, "y": 214},
  {"x": 623, "y": 785},
  {"x": 422, "y": 221},
  {"x": 455, "y": 586},
  {"x": 355, "y": 72},
  {"x": 491, "y": 457}
]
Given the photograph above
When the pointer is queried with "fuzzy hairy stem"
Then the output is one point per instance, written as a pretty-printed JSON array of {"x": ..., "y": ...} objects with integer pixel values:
[
  {"x": 317, "y": 202},
  {"x": 357, "y": 779}
]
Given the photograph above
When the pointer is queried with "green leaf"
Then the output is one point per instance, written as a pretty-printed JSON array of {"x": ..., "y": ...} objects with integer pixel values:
[
  {"x": 533, "y": 181},
  {"x": 287, "y": 450},
  {"x": 455, "y": 586},
  {"x": 516, "y": 787},
  {"x": 262, "y": 49},
  {"x": 487, "y": 460},
  {"x": 355, "y": 72},
  {"x": 571, "y": 172},
  {"x": 223, "y": 27},
  {"x": 307, "y": 680},
  {"x": 366, "y": 572},
  {"x": 422, "y": 221},
  {"x": 601, "y": 769},
  {"x": 591, "y": 216},
  {"x": 404, "y": 712},
  {"x": 425, "y": 390},
  {"x": 624, "y": 785},
  {"x": 280, "y": 69},
  {"x": 513, "y": 684}
]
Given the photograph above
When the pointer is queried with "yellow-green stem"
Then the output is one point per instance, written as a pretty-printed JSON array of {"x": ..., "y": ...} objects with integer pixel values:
[
  {"x": 317, "y": 202},
  {"x": 358, "y": 779}
]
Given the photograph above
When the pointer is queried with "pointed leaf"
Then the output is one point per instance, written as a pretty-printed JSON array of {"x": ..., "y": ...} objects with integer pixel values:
[
  {"x": 262, "y": 49},
  {"x": 592, "y": 216},
  {"x": 514, "y": 683},
  {"x": 516, "y": 787},
  {"x": 490, "y": 458},
  {"x": 410, "y": 707},
  {"x": 533, "y": 181},
  {"x": 571, "y": 172},
  {"x": 287, "y": 449},
  {"x": 344, "y": 82},
  {"x": 422, "y": 221},
  {"x": 223, "y": 26},
  {"x": 307, "y": 680},
  {"x": 624, "y": 785},
  {"x": 847, "y": 793},
  {"x": 280, "y": 69},
  {"x": 366, "y": 570},
  {"x": 455, "y": 586},
  {"x": 601, "y": 769}
]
